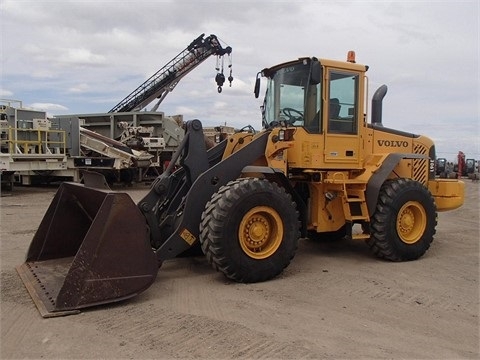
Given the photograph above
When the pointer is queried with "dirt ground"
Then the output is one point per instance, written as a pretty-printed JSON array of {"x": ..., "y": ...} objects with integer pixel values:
[{"x": 335, "y": 300}]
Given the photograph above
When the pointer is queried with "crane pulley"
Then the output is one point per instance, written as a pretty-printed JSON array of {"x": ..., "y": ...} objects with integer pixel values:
[{"x": 220, "y": 77}]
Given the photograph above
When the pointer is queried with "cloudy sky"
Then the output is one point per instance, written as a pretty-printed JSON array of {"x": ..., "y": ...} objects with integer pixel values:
[{"x": 84, "y": 56}]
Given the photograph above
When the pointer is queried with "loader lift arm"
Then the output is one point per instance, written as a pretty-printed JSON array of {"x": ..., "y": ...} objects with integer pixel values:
[
  {"x": 165, "y": 79},
  {"x": 175, "y": 203}
]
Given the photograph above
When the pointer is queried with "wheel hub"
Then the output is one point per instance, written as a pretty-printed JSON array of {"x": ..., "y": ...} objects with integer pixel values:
[
  {"x": 411, "y": 222},
  {"x": 407, "y": 221},
  {"x": 260, "y": 232},
  {"x": 257, "y": 230}
]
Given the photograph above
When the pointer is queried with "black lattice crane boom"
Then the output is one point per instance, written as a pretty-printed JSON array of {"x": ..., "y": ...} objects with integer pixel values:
[{"x": 164, "y": 80}]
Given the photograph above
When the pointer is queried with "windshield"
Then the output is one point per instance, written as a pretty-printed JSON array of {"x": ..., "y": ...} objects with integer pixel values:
[{"x": 286, "y": 93}]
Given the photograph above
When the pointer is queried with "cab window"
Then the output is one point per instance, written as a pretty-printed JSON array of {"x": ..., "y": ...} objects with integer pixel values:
[{"x": 342, "y": 102}]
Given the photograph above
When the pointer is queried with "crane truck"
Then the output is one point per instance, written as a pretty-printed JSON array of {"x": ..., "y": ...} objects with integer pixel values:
[{"x": 317, "y": 168}]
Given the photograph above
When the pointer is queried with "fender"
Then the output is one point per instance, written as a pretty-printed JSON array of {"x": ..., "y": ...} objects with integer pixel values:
[
  {"x": 379, "y": 177},
  {"x": 278, "y": 176}
]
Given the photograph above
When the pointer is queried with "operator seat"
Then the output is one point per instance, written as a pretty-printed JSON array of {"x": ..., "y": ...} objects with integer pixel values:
[{"x": 334, "y": 109}]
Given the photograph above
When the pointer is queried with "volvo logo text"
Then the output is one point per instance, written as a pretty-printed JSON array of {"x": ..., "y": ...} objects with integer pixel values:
[{"x": 393, "y": 143}]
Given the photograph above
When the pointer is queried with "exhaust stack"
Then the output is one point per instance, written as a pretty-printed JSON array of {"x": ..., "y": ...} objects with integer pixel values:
[{"x": 377, "y": 100}]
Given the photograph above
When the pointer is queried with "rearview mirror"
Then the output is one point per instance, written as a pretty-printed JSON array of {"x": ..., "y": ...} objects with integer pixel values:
[
  {"x": 257, "y": 86},
  {"x": 316, "y": 72}
]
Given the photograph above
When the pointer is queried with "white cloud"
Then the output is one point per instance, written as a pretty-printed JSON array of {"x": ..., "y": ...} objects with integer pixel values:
[
  {"x": 5, "y": 93},
  {"x": 49, "y": 107},
  {"x": 220, "y": 105},
  {"x": 79, "y": 88},
  {"x": 80, "y": 56},
  {"x": 186, "y": 111}
]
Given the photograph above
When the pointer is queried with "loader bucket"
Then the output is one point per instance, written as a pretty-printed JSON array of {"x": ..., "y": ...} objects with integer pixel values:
[{"x": 92, "y": 247}]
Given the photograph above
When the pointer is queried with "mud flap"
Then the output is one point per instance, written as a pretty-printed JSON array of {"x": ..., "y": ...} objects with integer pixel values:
[{"x": 92, "y": 247}]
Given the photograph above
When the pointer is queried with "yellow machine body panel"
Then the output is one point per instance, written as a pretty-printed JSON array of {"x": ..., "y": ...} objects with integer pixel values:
[
  {"x": 333, "y": 149},
  {"x": 448, "y": 194}
]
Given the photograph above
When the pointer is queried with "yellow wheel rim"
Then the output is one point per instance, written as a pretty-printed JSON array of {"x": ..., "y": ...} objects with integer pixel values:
[
  {"x": 411, "y": 222},
  {"x": 260, "y": 232}
]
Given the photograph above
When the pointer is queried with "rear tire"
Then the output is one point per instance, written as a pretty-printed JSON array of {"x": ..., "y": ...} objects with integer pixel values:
[
  {"x": 250, "y": 230},
  {"x": 403, "y": 225}
]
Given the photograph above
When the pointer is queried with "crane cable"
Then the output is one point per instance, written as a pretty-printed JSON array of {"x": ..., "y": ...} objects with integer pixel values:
[{"x": 220, "y": 77}]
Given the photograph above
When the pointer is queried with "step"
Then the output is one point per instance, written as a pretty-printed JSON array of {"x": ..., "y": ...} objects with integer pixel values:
[
  {"x": 358, "y": 217},
  {"x": 360, "y": 236},
  {"x": 355, "y": 200}
]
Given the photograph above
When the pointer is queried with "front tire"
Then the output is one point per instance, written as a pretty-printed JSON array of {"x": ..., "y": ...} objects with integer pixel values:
[
  {"x": 403, "y": 225},
  {"x": 250, "y": 230}
]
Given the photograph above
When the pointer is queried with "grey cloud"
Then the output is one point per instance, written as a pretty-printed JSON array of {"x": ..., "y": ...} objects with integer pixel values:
[{"x": 88, "y": 55}]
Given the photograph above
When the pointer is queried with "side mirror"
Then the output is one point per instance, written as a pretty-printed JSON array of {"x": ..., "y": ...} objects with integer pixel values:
[
  {"x": 257, "y": 86},
  {"x": 316, "y": 72}
]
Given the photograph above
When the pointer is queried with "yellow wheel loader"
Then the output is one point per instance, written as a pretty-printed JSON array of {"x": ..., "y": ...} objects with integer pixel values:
[{"x": 317, "y": 169}]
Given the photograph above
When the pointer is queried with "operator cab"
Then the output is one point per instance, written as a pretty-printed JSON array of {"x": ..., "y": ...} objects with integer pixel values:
[
  {"x": 294, "y": 97},
  {"x": 320, "y": 97}
]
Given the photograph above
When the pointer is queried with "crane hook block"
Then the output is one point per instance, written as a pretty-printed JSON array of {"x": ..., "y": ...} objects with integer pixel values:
[{"x": 220, "y": 79}]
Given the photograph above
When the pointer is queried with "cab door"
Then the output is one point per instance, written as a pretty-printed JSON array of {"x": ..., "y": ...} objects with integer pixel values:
[{"x": 341, "y": 114}]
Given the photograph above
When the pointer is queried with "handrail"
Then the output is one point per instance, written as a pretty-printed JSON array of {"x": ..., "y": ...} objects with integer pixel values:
[{"x": 42, "y": 142}]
